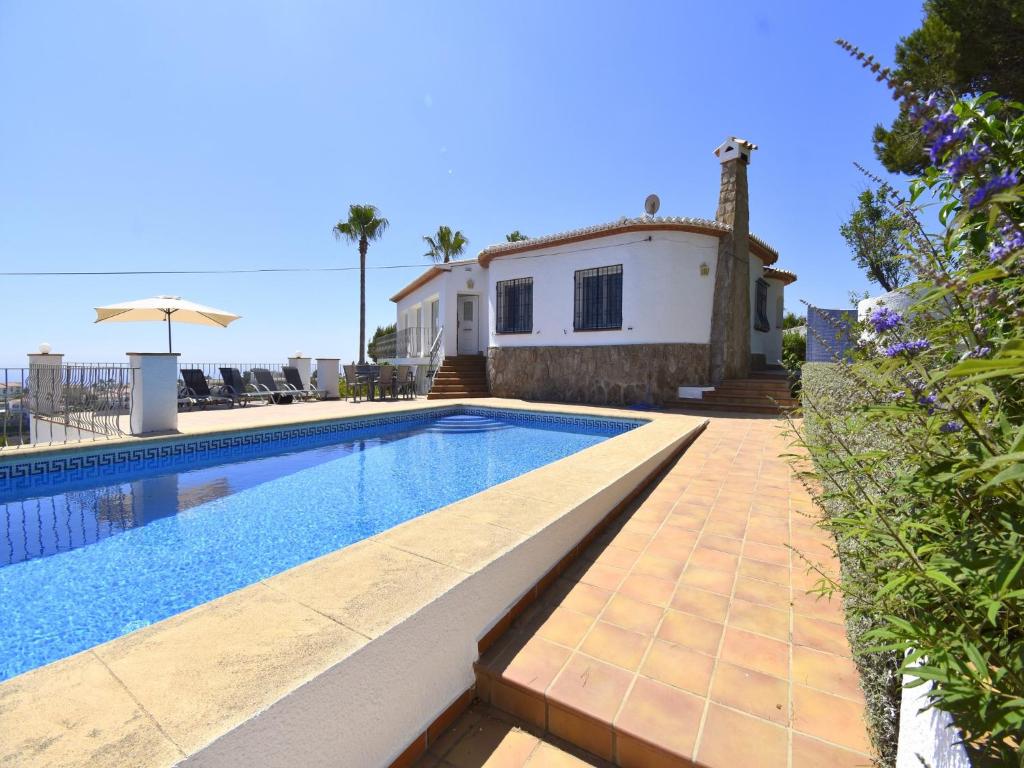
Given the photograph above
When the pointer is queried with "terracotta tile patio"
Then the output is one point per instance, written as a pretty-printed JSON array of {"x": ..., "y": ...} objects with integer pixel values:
[{"x": 684, "y": 635}]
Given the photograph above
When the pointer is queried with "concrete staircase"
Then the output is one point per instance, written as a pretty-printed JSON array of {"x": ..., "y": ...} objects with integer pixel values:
[
  {"x": 460, "y": 376},
  {"x": 762, "y": 392}
]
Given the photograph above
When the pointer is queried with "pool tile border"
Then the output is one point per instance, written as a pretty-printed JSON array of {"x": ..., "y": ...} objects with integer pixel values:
[{"x": 80, "y": 464}]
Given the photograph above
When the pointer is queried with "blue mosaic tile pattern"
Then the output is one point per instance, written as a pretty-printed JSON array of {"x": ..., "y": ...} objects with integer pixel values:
[{"x": 73, "y": 468}]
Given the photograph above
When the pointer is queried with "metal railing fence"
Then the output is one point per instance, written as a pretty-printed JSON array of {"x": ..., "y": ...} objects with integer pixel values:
[
  {"x": 64, "y": 403},
  {"x": 403, "y": 343}
]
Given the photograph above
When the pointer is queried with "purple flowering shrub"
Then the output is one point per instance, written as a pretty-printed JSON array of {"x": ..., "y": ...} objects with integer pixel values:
[{"x": 921, "y": 474}]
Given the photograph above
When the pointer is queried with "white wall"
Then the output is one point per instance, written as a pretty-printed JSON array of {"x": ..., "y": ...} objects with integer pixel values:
[
  {"x": 458, "y": 283},
  {"x": 664, "y": 297},
  {"x": 445, "y": 288},
  {"x": 926, "y": 737},
  {"x": 767, "y": 343}
]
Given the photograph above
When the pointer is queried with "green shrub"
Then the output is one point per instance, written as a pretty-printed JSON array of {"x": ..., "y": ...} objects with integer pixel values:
[
  {"x": 833, "y": 414},
  {"x": 918, "y": 442}
]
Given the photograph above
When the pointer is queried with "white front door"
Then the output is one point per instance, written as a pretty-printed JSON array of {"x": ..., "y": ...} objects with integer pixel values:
[{"x": 469, "y": 340}]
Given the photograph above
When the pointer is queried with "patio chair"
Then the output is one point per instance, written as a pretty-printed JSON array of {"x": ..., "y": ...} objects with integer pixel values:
[
  {"x": 405, "y": 380},
  {"x": 294, "y": 383},
  {"x": 265, "y": 383},
  {"x": 197, "y": 389},
  {"x": 386, "y": 385},
  {"x": 354, "y": 382},
  {"x": 242, "y": 393}
]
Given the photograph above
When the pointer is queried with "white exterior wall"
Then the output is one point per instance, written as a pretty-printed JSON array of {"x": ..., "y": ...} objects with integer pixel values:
[
  {"x": 767, "y": 343},
  {"x": 664, "y": 297},
  {"x": 405, "y": 309},
  {"x": 466, "y": 279},
  {"x": 445, "y": 288}
]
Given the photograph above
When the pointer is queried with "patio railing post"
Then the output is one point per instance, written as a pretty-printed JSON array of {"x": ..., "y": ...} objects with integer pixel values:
[
  {"x": 327, "y": 377},
  {"x": 154, "y": 392}
]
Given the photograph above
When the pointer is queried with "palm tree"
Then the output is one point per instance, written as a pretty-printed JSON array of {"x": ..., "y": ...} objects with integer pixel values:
[
  {"x": 445, "y": 245},
  {"x": 363, "y": 225},
  {"x": 516, "y": 237}
]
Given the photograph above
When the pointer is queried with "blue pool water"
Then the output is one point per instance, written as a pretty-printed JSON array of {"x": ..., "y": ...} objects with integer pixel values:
[{"x": 88, "y": 557}]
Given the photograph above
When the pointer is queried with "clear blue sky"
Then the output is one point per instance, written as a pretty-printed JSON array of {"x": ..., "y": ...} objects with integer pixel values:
[{"x": 196, "y": 134}]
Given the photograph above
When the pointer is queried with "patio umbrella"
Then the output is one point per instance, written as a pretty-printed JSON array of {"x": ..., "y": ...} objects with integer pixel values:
[{"x": 163, "y": 308}]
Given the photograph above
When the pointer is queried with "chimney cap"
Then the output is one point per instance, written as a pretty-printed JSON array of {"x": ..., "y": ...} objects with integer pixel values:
[{"x": 733, "y": 148}]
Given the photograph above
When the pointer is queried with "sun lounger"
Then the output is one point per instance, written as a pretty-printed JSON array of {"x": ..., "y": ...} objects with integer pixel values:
[
  {"x": 242, "y": 393},
  {"x": 265, "y": 383},
  {"x": 294, "y": 383},
  {"x": 197, "y": 389}
]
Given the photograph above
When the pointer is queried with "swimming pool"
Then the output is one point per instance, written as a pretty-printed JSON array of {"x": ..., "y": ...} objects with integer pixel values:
[{"x": 102, "y": 544}]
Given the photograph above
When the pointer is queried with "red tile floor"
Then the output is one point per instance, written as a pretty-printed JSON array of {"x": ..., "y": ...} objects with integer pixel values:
[{"x": 685, "y": 635}]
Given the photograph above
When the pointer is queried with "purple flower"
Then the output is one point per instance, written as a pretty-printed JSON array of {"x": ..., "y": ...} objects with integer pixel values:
[
  {"x": 989, "y": 188},
  {"x": 951, "y": 426},
  {"x": 906, "y": 347},
  {"x": 966, "y": 161},
  {"x": 944, "y": 143},
  {"x": 885, "y": 319},
  {"x": 937, "y": 123},
  {"x": 1013, "y": 240},
  {"x": 928, "y": 401},
  {"x": 980, "y": 352}
]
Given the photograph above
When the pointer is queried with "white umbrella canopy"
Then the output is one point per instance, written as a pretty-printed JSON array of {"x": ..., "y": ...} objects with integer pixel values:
[{"x": 163, "y": 308}]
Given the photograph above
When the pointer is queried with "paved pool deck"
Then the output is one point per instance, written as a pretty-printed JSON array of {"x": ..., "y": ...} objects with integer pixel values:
[
  {"x": 351, "y": 656},
  {"x": 682, "y": 635},
  {"x": 685, "y": 634}
]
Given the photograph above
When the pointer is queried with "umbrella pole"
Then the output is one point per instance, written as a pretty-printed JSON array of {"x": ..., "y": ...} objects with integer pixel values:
[{"x": 169, "y": 350}]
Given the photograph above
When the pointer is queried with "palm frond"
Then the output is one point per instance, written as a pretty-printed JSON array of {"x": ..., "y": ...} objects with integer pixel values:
[{"x": 364, "y": 221}]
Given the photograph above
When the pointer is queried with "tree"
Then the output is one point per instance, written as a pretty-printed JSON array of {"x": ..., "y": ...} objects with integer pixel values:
[
  {"x": 515, "y": 237},
  {"x": 364, "y": 224},
  {"x": 873, "y": 234},
  {"x": 445, "y": 245},
  {"x": 792, "y": 320},
  {"x": 380, "y": 351},
  {"x": 962, "y": 47}
]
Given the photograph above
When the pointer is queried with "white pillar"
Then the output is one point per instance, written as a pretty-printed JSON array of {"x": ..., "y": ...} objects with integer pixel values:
[
  {"x": 45, "y": 384},
  {"x": 154, "y": 392},
  {"x": 327, "y": 377},
  {"x": 305, "y": 366}
]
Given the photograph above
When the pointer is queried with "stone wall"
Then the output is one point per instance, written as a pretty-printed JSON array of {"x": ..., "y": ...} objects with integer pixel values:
[{"x": 601, "y": 375}]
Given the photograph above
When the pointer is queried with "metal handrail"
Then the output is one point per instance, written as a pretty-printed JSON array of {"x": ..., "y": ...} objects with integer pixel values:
[{"x": 434, "y": 362}]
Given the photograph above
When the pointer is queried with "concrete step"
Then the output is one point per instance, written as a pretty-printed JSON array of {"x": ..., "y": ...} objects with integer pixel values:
[
  {"x": 744, "y": 399},
  {"x": 467, "y": 375},
  {"x": 725, "y": 406},
  {"x": 758, "y": 384},
  {"x": 455, "y": 395},
  {"x": 458, "y": 389}
]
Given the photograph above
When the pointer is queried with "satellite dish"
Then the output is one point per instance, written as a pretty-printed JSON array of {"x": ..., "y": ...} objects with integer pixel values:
[{"x": 651, "y": 204}]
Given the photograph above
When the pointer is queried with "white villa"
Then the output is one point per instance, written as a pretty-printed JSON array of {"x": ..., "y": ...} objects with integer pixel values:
[{"x": 623, "y": 312}]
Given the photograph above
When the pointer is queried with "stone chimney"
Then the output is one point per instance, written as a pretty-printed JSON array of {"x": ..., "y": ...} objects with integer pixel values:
[{"x": 730, "y": 315}]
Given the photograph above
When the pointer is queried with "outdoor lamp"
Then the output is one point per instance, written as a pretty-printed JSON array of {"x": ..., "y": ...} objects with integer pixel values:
[{"x": 44, "y": 348}]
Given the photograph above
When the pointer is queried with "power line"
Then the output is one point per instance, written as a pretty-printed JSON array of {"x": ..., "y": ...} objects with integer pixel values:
[{"x": 263, "y": 270}]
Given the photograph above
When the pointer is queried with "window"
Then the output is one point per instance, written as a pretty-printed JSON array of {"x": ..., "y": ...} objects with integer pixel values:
[
  {"x": 761, "y": 307},
  {"x": 467, "y": 310},
  {"x": 598, "y": 299},
  {"x": 514, "y": 305}
]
